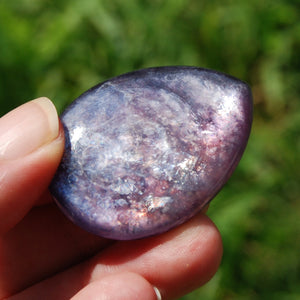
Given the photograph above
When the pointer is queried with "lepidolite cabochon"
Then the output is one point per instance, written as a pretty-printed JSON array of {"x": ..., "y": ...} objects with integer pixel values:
[{"x": 147, "y": 150}]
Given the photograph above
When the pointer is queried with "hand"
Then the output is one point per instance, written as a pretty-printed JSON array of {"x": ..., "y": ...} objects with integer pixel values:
[{"x": 45, "y": 256}]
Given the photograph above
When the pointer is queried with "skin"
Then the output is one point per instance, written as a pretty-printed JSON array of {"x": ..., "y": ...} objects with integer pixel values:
[{"x": 45, "y": 256}]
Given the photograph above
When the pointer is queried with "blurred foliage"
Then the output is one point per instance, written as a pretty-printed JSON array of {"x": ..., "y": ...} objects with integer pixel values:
[{"x": 60, "y": 48}]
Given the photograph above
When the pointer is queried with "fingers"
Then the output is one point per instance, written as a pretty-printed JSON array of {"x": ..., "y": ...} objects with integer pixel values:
[
  {"x": 44, "y": 243},
  {"x": 176, "y": 263},
  {"x": 31, "y": 146},
  {"x": 118, "y": 287},
  {"x": 58, "y": 242}
]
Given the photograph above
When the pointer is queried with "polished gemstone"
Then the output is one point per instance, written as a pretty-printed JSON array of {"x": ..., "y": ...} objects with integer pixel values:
[{"x": 147, "y": 150}]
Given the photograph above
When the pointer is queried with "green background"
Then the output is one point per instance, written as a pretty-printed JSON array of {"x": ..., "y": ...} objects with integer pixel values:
[{"x": 61, "y": 48}]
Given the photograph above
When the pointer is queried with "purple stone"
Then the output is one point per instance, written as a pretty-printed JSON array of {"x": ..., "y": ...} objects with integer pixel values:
[{"x": 147, "y": 150}]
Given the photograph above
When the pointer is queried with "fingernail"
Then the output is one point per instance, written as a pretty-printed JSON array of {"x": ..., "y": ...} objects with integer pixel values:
[
  {"x": 28, "y": 127},
  {"x": 157, "y": 292}
]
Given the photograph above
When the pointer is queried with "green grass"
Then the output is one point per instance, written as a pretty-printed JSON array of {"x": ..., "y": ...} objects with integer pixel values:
[{"x": 60, "y": 48}]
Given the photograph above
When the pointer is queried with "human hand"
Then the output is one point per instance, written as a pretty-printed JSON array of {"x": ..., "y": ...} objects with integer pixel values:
[{"x": 45, "y": 256}]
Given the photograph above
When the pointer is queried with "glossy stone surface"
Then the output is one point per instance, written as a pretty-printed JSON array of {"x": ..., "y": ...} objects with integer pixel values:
[{"x": 145, "y": 151}]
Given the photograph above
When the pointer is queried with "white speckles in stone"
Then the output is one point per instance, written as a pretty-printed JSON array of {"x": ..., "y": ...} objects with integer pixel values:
[
  {"x": 187, "y": 163},
  {"x": 153, "y": 203},
  {"x": 124, "y": 186},
  {"x": 76, "y": 135}
]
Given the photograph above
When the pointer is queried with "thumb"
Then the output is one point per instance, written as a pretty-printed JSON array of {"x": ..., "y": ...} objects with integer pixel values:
[{"x": 31, "y": 146}]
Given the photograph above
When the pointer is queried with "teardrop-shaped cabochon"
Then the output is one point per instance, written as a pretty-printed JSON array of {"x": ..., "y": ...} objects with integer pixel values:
[{"x": 147, "y": 150}]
